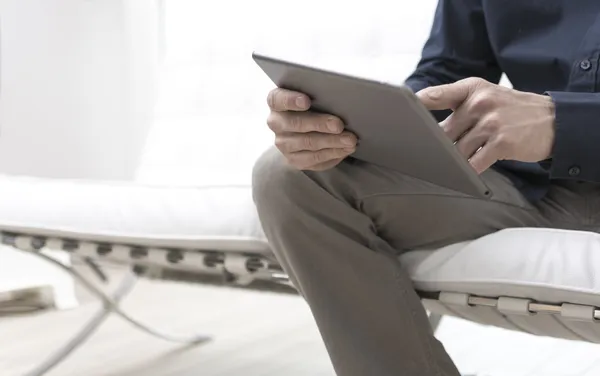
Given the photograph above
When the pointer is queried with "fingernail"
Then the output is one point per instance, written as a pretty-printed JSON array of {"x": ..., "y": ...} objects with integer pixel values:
[
  {"x": 349, "y": 150},
  {"x": 333, "y": 125},
  {"x": 348, "y": 141},
  {"x": 301, "y": 102}
]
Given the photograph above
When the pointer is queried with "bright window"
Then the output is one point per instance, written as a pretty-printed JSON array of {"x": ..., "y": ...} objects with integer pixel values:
[{"x": 210, "y": 119}]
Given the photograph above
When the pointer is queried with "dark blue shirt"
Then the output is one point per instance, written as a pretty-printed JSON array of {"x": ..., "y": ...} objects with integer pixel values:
[{"x": 543, "y": 46}]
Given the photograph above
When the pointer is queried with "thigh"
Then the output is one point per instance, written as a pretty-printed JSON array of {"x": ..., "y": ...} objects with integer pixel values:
[{"x": 410, "y": 213}]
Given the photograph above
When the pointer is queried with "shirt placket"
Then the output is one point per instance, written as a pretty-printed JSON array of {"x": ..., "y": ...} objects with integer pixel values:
[{"x": 584, "y": 74}]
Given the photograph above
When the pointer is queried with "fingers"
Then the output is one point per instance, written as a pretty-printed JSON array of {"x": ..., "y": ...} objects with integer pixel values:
[
  {"x": 470, "y": 143},
  {"x": 459, "y": 122},
  {"x": 483, "y": 144},
  {"x": 309, "y": 160},
  {"x": 304, "y": 122},
  {"x": 451, "y": 96},
  {"x": 314, "y": 141},
  {"x": 444, "y": 97},
  {"x": 484, "y": 158},
  {"x": 287, "y": 100},
  {"x": 497, "y": 145},
  {"x": 315, "y": 151},
  {"x": 309, "y": 141},
  {"x": 327, "y": 165}
]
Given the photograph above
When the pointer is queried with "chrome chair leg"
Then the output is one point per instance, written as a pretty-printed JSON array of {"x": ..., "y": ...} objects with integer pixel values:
[
  {"x": 110, "y": 305},
  {"x": 434, "y": 321},
  {"x": 84, "y": 334}
]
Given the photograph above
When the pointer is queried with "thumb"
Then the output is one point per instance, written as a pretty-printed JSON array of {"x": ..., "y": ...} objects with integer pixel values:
[{"x": 445, "y": 97}]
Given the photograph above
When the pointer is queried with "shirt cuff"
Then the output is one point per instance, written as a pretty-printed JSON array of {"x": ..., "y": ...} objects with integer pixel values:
[{"x": 575, "y": 154}]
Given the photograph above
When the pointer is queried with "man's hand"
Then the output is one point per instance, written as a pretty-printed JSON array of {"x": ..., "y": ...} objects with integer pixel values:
[
  {"x": 492, "y": 123},
  {"x": 309, "y": 141}
]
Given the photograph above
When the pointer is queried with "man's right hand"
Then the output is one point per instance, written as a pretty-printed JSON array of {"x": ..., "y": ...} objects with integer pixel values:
[{"x": 308, "y": 140}]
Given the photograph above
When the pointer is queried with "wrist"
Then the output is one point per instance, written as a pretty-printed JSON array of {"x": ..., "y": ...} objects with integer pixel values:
[{"x": 550, "y": 111}]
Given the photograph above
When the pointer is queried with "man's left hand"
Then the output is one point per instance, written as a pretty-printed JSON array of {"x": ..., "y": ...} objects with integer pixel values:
[{"x": 490, "y": 122}]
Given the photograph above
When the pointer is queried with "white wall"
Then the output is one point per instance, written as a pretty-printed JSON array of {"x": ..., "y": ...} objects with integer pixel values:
[
  {"x": 77, "y": 86},
  {"x": 210, "y": 124},
  {"x": 77, "y": 94}
]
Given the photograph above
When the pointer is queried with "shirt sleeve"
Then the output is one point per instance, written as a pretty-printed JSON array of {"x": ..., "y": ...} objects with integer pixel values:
[
  {"x": 458, "y": 47},
  {"x": 576, "y": 152}
]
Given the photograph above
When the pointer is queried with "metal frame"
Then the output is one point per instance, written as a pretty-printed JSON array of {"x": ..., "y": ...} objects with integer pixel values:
[
  {"x": 521, "y": 306},
  {"x": 539, "y": 308},
  {"x": 238, "y": 268},
  {"x": 90, "y": 327},
  {"x": 435, "y": 319},
  {"x": 34, "y": 245}
]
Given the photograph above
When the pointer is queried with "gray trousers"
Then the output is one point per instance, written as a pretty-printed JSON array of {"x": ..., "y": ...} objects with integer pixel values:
[{"x": 337, "y": 234}]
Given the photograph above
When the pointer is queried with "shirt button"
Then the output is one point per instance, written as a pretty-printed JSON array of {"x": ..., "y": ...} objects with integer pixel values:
[
  {"x": 574, "y": 171},
  {"x": 585, "y": 65}
]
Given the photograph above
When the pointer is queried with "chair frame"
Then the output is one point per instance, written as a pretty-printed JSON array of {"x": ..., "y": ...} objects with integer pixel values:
[
  {"x": 111, "y": 303},
  {"x": 236, "y": 268}
]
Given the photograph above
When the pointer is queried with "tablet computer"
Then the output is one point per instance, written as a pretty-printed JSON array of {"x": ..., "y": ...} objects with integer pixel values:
[{"x": 394, "y": 128}]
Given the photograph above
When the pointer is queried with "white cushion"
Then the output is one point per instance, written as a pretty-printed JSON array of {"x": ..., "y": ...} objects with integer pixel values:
[
  {"x": 550, "y": 266},
  {"x": 211, "y": 218},
  {"x": 546, "y": 265}
]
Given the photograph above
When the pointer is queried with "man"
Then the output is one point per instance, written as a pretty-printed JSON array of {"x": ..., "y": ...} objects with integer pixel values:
[{"x": 337, "y": 224}]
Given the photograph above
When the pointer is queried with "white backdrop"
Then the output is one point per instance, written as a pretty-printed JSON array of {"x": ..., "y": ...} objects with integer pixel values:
[
  {"x": 77, "y": 86},
  {"x": 77, "y": 92},
  {"x": 210, "y": 121}
]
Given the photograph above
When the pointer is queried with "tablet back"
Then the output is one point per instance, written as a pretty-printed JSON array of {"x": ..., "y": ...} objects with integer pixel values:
[{"x": 393, "y": 127}]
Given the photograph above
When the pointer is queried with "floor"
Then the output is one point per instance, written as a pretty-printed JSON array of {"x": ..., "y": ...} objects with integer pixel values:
[{"x": 254, "y": 334}]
